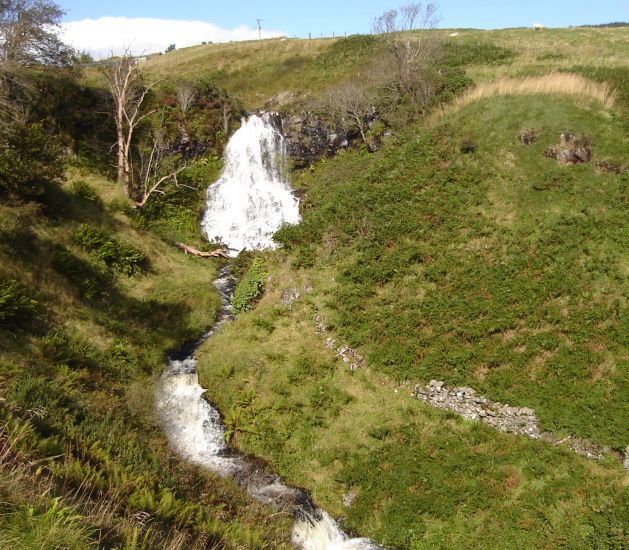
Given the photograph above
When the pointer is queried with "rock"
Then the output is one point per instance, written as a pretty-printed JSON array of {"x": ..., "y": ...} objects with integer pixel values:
[
  {"x": 310, "y": 137},
  {"x": 289, "y": 296},
  {"x": 436, "y": 384},
  {"x": 626, "y": 461},
  {"x": 281, "y": 99},
  {"x": 348, "y": 498},
  {"x": 334, "y": 140},
  {"x": 527, "y": 137},
  {"x": 570, "y": 149},
  {"x": 608, "y": 166}
]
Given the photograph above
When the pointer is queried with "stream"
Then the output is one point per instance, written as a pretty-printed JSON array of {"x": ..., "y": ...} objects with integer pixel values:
[
  {"x": 248, "y": 203},
  {"x": 196, "y": 432}
]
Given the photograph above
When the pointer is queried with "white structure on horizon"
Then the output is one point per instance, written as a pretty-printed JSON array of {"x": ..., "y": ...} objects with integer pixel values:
[{"x": 538, "y": 27}]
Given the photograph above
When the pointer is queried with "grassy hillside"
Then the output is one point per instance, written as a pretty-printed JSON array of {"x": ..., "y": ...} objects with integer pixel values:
[
  {"x": 457, "y": 253},
  {"x": 90, "y": 303},
  {"x": 453, "y": 252},
  {"x": 257, "y": 71}
]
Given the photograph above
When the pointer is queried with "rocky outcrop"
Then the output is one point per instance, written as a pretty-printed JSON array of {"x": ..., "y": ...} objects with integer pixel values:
[
  {"x": 610, "y": 166},
  {"x": 527, "y": 137},
  {"x": 516, "y": 420},
  {"x": 310, "y": 137},
  {"x": 465, "y": 401},
  {"x": 348, "y": 354},
  {"x": 570, "y": 149}
]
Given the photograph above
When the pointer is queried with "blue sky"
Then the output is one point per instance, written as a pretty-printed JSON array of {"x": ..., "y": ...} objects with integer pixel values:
[
  {"x": 298, "y": 18},
  {"x": 327, "y": 16}
]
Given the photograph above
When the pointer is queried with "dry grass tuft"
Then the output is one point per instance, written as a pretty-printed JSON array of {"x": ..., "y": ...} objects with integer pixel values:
[{"x": 554, "y": 83}]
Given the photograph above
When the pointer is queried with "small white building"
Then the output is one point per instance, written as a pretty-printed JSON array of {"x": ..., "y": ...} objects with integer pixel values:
[{"x": 538, "y": 27}]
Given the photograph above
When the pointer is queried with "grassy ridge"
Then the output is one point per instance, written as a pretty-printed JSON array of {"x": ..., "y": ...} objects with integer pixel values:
[{"x": 257, "y": 71}]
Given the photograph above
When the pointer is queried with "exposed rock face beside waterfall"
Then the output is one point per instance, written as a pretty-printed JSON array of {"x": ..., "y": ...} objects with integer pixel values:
[{"x": 310, "y": 137}]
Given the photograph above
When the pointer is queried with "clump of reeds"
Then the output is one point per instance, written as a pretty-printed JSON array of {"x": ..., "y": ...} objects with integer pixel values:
[{"x": 553, "y": 83}]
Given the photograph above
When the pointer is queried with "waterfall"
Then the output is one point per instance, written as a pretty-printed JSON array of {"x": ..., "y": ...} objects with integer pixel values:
[
  {"x": 252, "y": 198},
  {"x": 244, "y": 208}
]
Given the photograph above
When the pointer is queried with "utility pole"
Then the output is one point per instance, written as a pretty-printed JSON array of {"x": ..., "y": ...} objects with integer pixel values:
[{"x": 259, "y": 28}]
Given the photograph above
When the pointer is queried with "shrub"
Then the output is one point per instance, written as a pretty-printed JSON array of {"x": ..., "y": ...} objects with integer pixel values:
[
  {"x": 85, "y": 191},
  {"x": 30, "y": 161},
  {"x": 480, "y": 53},
  {"x": 114, "y": 254},
  {"x": 91, "y": 282},
  {"x": 467, "y": 145},
  {"x": 250, "y": 288},
  {"x": 351, "y": 49},
  {"x": 16, "y": 306}
]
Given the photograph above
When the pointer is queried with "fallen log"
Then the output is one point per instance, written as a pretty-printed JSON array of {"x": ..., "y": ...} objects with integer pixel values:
[{"x": 218, "y": 253}]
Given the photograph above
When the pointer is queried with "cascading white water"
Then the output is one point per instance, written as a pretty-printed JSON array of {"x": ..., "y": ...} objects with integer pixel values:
[
  {"x": 252, "y": 198},
  {"x": 244, "y": 208},
  {"x": 325, "y": 534},
  {"x": 195, "y": 431}
]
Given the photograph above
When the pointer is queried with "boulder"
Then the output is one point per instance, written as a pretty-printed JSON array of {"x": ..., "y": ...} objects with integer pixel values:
[
  {"x": 527, "y": 137},
  {"x": 570, "y": 149}
]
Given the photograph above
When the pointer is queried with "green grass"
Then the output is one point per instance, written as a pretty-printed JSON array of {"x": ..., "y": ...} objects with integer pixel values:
[
  {"x": 422, "y": 478},
  {"x": 94, "y": 330},
  {"x": 490, "y": 266},
  {"x": 499, "y": 269},
  {"x": 257, "y": 71},
  {"x": 455, "y": 252}
]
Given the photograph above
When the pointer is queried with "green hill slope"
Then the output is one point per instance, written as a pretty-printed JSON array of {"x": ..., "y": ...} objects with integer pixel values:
[
  {"x": 90, "y": 304},
  {"x": 456, "y": 253},
  {"x": 257, "y": 71}
]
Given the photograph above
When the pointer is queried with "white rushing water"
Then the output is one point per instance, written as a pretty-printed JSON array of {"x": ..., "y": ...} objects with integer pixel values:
[
  {"x": 195, "y": 431},
  {"x": 244, "y": 208},
  {"x": 252, "y": 198}
]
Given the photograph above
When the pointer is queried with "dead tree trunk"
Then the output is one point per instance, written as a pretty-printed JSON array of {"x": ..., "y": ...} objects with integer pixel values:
[
  {"x": 218, "y": 253},
  {"x": 128, "y": 93}
]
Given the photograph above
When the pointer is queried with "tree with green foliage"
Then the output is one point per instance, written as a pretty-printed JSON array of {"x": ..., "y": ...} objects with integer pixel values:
[
  {"x": 27, "y": 34},
  {"x": 30, "y": 160}
]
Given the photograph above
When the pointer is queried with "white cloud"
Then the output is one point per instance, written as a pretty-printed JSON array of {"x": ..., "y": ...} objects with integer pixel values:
[{"x": 102, "y": 36}]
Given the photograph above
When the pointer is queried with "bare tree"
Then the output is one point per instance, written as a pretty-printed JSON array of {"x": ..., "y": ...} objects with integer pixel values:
[
  {"x": 351, "y": 101},
  {"x": 157, "y": 166},
  {"x": 128, "y": 92},
  {"x": 407, "y": 32},
  {"x": 186, "y": 94}
]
